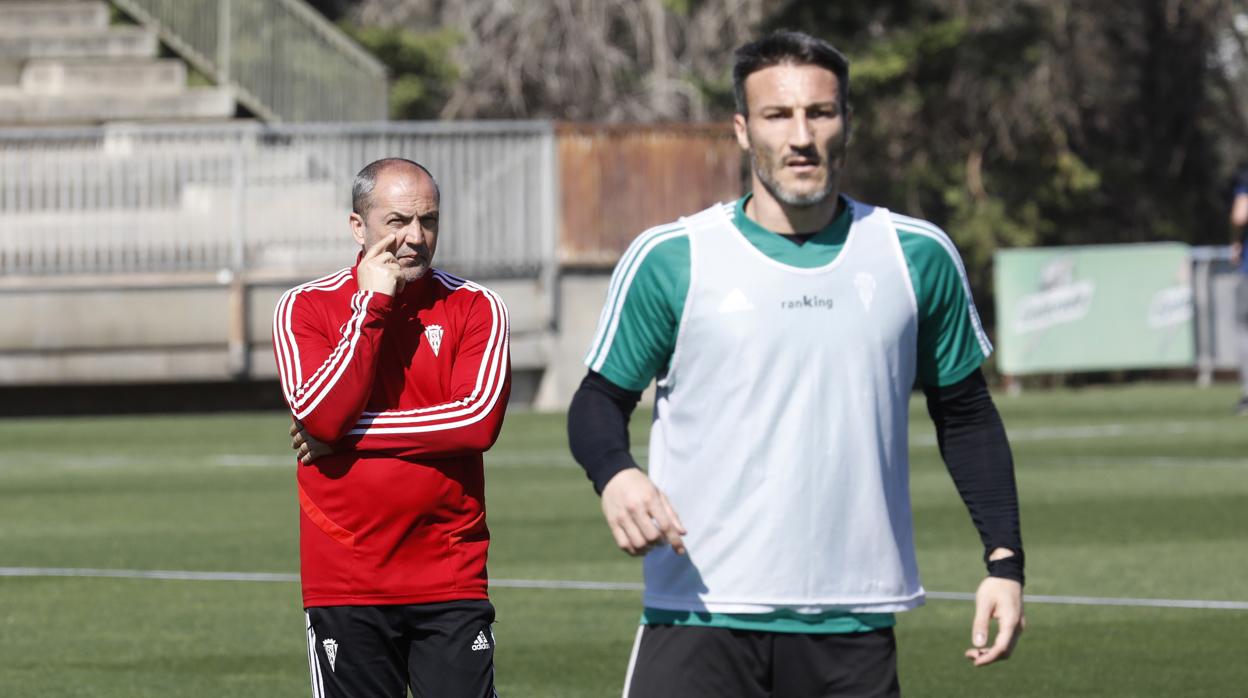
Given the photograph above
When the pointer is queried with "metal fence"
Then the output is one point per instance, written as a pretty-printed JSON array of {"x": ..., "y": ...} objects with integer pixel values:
[
  {"x": 1214, "y": 279},
  {"x": 249, "y": 197},
  {"x": 284, "y": 61}
]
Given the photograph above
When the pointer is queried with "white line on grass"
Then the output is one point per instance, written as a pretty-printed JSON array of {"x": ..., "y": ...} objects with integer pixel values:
[
  {"x": 183, "y": 575},
  {"x": 1091, "y": 431},
  {"x": 559, "y": 584},
  {"x": 561, "y": 458},
  {"x": 1161, "y": 462},
  {"x": 565, "y": 584},
  {"x": 1105, "y": 601}
]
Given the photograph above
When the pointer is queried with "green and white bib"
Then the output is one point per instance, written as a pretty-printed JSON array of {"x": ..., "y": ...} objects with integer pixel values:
[{"x": 781, "y": 416}]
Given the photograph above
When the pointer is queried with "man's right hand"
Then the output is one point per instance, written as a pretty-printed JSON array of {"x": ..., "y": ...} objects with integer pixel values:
[
  {"x": 379, "y": 269},
  {"x": 639, "y": 514},
  {"x": 306, "y": 448}
]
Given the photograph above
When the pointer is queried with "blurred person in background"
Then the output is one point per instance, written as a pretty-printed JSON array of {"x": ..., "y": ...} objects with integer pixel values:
[
  {"x": 786, "y": 331},
  {"x": 1239, "y": 233},
  {"x": 397, "y": 375}
]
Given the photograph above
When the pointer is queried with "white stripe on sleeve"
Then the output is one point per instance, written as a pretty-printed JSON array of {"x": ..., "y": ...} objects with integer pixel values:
[
  {"x": 921, "y": 227},
  {"x": 491, "y": 377},
  {"x": 289, "y": 369},
  {"x": 304, "y": 396},
  {"x": 622, "y": 279}
]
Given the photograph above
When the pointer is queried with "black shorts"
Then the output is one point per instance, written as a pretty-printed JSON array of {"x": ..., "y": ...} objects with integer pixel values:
[
  {"x": 438, "y": 650},
  {"x": 672, "y": 661}
]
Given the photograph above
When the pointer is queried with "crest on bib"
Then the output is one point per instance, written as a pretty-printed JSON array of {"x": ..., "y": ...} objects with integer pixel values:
[{"x": 865, "y": 283}]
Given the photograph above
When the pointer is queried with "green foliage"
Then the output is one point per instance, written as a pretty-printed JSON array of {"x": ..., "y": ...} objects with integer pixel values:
[
  {"x": 1073, "y": 176},
  {"x": 1033, "y": 122},
  {"x": 902, "y": 54},
  {"x": 1027, "y": 123},
  {"x": 421, "y": 68},
  {"x": 679, "y": 7},
  {"x": 981, "y": 225},
  {"x": 717, "y": 93}
]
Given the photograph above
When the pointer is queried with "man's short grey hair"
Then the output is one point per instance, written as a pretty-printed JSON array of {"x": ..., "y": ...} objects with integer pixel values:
[{"x": 366, "y": 181}]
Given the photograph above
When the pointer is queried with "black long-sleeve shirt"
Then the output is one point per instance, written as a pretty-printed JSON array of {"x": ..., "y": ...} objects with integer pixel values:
[{"x": 969, "y": 432}]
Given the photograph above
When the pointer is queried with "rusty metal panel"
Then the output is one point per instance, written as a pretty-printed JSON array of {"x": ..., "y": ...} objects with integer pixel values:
[{"x": 618, "y": 180}]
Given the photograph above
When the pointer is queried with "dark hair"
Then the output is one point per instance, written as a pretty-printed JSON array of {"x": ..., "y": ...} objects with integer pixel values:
[
  {"x": 366, "y": 180},
  {"x": 781, "y": 47}
]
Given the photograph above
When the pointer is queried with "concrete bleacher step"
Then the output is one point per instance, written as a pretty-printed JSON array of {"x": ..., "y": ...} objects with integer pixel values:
[
  {"x": 146, "y": 175},
  {"x": 27, "y": 16},
  {"x": 86, "y": 76},
  {"x": 110, "y": 42},
  {"x": 262, "y": 164},
  {"x": 265, "y": 201},
  {"x": 169, "y": 239},
  {"x": 18, "y": 107}
]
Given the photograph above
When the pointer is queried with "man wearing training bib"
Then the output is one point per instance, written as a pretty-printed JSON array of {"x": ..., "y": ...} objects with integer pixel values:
[{"x": 786, "y": 331}]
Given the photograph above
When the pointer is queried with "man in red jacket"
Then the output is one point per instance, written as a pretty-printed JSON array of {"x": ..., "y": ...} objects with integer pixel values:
[{"x": 397, "y": 375}]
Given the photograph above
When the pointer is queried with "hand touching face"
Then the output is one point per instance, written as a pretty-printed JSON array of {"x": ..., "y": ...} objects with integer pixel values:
[{"x": 404, "y": 206}]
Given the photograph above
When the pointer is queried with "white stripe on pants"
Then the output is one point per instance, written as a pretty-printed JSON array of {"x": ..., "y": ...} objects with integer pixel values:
[
  {"x": 632, "y": 661},
  {"x": 314, "y": 666}
]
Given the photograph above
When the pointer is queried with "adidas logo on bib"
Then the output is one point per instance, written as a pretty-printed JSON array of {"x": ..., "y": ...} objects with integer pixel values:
[{"x": 735, "y": 302}]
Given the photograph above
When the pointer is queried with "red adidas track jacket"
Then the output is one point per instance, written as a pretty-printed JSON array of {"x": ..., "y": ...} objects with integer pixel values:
[{"x": 409, "y": 390}]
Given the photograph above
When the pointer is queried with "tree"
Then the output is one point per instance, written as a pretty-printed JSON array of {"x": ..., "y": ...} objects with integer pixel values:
[
  {"x": 602, "y": 60},
  {"x": 422, "y": 72},
  {"x": 1025, "y": 122},
  {"x": 1008, "y": 122}
]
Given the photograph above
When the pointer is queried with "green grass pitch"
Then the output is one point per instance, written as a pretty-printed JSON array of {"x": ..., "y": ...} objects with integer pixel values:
[{"x": 1136, "y": 492}]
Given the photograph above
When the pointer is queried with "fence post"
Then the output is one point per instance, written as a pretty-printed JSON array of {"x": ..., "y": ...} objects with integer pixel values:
[
  {"x": 239, "y": 342},
  {"x": 1202, "y": 285},
  {"x": 550, "y": 225},
  {"x": 223, "y": 43}
]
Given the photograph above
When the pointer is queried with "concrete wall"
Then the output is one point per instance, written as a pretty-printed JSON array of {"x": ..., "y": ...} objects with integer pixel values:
[
  {"x": 186, "y": 328},
  {"x": 77, "y": 334},
  {"x": 195, "y": 328}
]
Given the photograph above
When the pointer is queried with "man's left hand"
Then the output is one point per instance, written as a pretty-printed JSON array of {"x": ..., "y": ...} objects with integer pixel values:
[
  {"x": 1001, "y": 599},
  {"x": 307, "y": 448}
]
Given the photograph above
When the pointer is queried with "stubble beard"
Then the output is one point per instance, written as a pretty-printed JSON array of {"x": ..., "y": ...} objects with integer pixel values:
[
  {"x": 415, "y": 273},
  {"x": 791, "y": 198}
]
